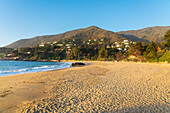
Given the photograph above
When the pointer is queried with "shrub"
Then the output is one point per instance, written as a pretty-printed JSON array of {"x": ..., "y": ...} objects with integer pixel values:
[{"x": 165, "y": 57}]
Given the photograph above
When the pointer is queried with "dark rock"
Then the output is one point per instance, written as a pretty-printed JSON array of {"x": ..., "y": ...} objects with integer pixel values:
[{"x": 78, "y": 64}]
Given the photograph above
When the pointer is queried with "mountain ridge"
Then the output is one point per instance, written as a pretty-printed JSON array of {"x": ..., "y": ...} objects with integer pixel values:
[
  {"x": 147, "y": 35},
  {"x": 91, "y": 32}
]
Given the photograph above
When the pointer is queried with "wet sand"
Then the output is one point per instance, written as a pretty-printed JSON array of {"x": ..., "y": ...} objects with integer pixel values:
[{"x": 98, "y": 87}]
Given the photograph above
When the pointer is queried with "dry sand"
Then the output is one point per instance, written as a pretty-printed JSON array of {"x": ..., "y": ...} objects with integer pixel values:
[{"x": 99, "y": 87}]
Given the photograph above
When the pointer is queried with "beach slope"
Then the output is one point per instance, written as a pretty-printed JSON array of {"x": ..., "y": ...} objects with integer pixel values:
[{"x": 98, "y": 87}]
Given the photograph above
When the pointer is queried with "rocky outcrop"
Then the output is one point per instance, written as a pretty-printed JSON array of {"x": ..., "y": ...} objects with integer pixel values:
[{"x": 77, "y": 64}]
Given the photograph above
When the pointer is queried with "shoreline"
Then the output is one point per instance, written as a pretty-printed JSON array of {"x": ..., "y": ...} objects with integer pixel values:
[
  {"x": 87, "y": 63},
  {"x": 10, "y": 100},
  {"x": 84, "y": 61},
  {"x": 46, "y": 70}
]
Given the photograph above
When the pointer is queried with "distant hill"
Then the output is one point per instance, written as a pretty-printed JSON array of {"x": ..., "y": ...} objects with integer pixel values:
[
  {"x": 91, "y": 32},
  {"x": 149, "y": 34},
  {"x": 155, "y": 34}
]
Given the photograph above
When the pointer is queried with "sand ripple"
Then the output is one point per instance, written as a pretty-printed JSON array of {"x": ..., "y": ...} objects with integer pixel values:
[{"x": 108, "y": 87}]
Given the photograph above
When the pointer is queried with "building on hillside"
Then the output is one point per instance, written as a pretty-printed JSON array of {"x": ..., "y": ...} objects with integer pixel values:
[
  {"x": 107, "y": 46},
  {"x": 134, "y": 42},
  {"x": 118, "y": 45},
  {"x": 100, "y": 43},
  {"x": 127, "y": 46},
  {"x": 41, "y": 45},
  {"x": 68, "y": 45},
  {"x": 132, "y": 56},
  {"x": 54, "y": 42},
  {"x": 9, "y": 55},
  {"x": 59, "y": 45},
  {"x": 102, "y": 40},
  {"x": 126, "y": 42},
  {"x": 28, "y": 52},
  {"x": 119, "y": 48}
]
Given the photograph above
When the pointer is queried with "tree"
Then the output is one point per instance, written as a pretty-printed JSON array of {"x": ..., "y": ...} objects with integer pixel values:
[
  {"x": 167, "y": 38},
  {"x": 151, "y": 52},
  {"x": 119, "y": 56},
  {"x": 106, "y": 53},
  {"x": 74, "y": 53},
  {"x": 165, "y": 57},
  {"x": 136, "y": 49},
  {"x": 102, "y": 53}
]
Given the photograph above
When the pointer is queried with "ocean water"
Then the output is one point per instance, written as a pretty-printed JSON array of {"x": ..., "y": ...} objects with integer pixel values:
[{"x": 19, "y": 67}]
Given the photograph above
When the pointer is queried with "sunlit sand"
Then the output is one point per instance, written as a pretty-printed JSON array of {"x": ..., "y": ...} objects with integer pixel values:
[{"x": 98, "y": 87}]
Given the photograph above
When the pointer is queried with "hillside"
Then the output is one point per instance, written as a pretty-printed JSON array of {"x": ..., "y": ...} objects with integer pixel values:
[
  {"x": 149, "y": 34},
  {"x": 91, "y": 32},
  {"x": 5, "y": 50}
]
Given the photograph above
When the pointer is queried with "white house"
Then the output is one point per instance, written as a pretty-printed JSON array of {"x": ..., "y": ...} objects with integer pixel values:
[
  {"x": 41, "y": 45},
  {"x": 134, "y": 42},
  {"x": 107, "y": 46},
  {"x": 60, "y": 45},
  {"x": 119, "y": 49},
  {"x": 54, "y": 42},
  {"x": 28, "y": 52},
  {"x": 132, "y": 56},
  {"x": 118, "y": 45},
  {"x": 126, "y": 42},
  {"x": 68, "y": 45}
]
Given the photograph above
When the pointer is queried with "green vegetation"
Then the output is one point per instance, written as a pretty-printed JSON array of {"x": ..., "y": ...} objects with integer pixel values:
[
  {"x": 96, "y": 49},
  {"x": 165, "y": 57},
  {"x": 167, "y": 38},
  {"x": 5, "y": 50}
]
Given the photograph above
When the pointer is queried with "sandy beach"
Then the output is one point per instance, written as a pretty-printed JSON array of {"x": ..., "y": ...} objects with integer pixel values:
[{"x": 98, "y": 87}]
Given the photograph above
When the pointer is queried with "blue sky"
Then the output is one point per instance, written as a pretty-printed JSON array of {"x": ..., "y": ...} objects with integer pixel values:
[{"x": 20, "y": 19}]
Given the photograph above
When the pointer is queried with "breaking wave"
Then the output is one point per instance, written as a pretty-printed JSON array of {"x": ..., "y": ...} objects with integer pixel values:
[{"x": 20, "y": 67}]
